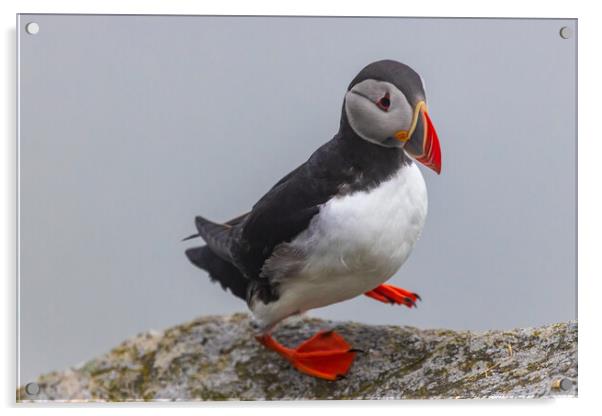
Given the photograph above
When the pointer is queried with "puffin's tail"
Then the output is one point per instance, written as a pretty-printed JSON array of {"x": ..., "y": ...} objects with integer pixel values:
[{"x": 219, "y": 270}]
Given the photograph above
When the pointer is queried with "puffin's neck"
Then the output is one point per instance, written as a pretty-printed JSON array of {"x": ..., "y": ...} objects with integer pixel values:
[{"x": 382, "y": 161}]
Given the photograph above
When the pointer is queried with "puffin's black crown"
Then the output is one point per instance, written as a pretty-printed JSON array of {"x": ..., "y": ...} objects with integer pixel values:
[{"x": 402, "y": 76}]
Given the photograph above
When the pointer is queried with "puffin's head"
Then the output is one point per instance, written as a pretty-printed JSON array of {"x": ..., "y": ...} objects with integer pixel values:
[{"x": 385, "y": 104}]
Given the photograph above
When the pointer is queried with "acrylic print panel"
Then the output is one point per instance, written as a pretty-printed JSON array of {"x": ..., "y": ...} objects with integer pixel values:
[{"x": 130, "y": 126}]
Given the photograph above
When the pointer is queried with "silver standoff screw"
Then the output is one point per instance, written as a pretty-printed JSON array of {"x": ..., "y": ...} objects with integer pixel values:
[
  {"x": 563, "y": 384},
  {"x": 565, "y": 32},
  {"x": 32, "y": 389}
]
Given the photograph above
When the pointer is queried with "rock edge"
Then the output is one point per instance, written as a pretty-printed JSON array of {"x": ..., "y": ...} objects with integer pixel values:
[{"x": 217, "y": 358}]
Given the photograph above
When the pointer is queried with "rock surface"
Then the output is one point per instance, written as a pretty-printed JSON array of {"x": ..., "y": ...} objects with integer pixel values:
[{"x": 217, "y": 358}]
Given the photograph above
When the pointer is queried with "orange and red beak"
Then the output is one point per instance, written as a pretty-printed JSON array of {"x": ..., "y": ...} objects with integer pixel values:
[{"x": 422, "y": 142}]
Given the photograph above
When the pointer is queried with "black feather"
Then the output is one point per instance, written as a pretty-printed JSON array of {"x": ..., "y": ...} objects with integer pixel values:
[
  {"x": 219, "y": 270},
  {"x": 217, "y": 236}
]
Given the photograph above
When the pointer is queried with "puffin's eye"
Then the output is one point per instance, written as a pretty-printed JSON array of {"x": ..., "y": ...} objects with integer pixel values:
[{"x": 384, "y": 102}]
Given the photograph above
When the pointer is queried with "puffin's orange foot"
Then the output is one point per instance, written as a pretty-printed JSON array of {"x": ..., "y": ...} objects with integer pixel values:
[
  {"x": 325, "y": 355},
  {"x": 394, "y": 294}
]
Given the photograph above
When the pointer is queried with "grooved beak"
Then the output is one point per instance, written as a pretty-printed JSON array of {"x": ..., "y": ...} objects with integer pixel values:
[{"x": 423, "y": 143}]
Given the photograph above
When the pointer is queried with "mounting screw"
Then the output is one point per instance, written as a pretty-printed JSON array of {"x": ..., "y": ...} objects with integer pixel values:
[
  {"x": 565, "y": 32},
  {"x": 32, "y": 28},
  {"x": 563, "y": 384},
  {"x": 32, "y": 389}
]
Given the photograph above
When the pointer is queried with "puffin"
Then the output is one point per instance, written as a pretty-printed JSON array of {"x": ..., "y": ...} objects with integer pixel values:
[{"x": 339, "y": 225}]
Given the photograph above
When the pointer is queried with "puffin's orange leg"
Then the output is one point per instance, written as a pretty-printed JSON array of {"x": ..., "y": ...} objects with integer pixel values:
[
  {"x": 325, "y": 355},
  {"x": 393, "y": 294}
]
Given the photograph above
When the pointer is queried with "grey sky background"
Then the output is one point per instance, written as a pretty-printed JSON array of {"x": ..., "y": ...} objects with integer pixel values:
[{"x": 132, "y": 125}]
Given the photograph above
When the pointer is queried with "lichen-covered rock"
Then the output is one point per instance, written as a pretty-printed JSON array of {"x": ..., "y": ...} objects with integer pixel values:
[{"x": 217, "y": 358}]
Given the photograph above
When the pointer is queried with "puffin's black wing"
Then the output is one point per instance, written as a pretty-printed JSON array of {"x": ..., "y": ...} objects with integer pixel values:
[
  {"x": 221, "y": 237},
  {"x": 286, "y": 210}
]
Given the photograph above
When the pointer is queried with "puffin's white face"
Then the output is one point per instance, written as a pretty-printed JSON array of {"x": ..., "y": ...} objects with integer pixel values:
[{"x": 379, "y": 113}]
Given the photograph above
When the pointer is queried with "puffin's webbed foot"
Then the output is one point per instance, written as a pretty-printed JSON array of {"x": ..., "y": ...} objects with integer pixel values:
[
  {"x": 326, "y": 355},
  {"x": 393, "y": 294}
]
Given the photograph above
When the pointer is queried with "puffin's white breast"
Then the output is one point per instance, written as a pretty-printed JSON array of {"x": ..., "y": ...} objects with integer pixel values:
[{"x": 355, "y": 243}]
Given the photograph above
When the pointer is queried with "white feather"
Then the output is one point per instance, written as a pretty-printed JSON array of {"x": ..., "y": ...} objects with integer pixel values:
[{"x": 355, "y": 243}]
